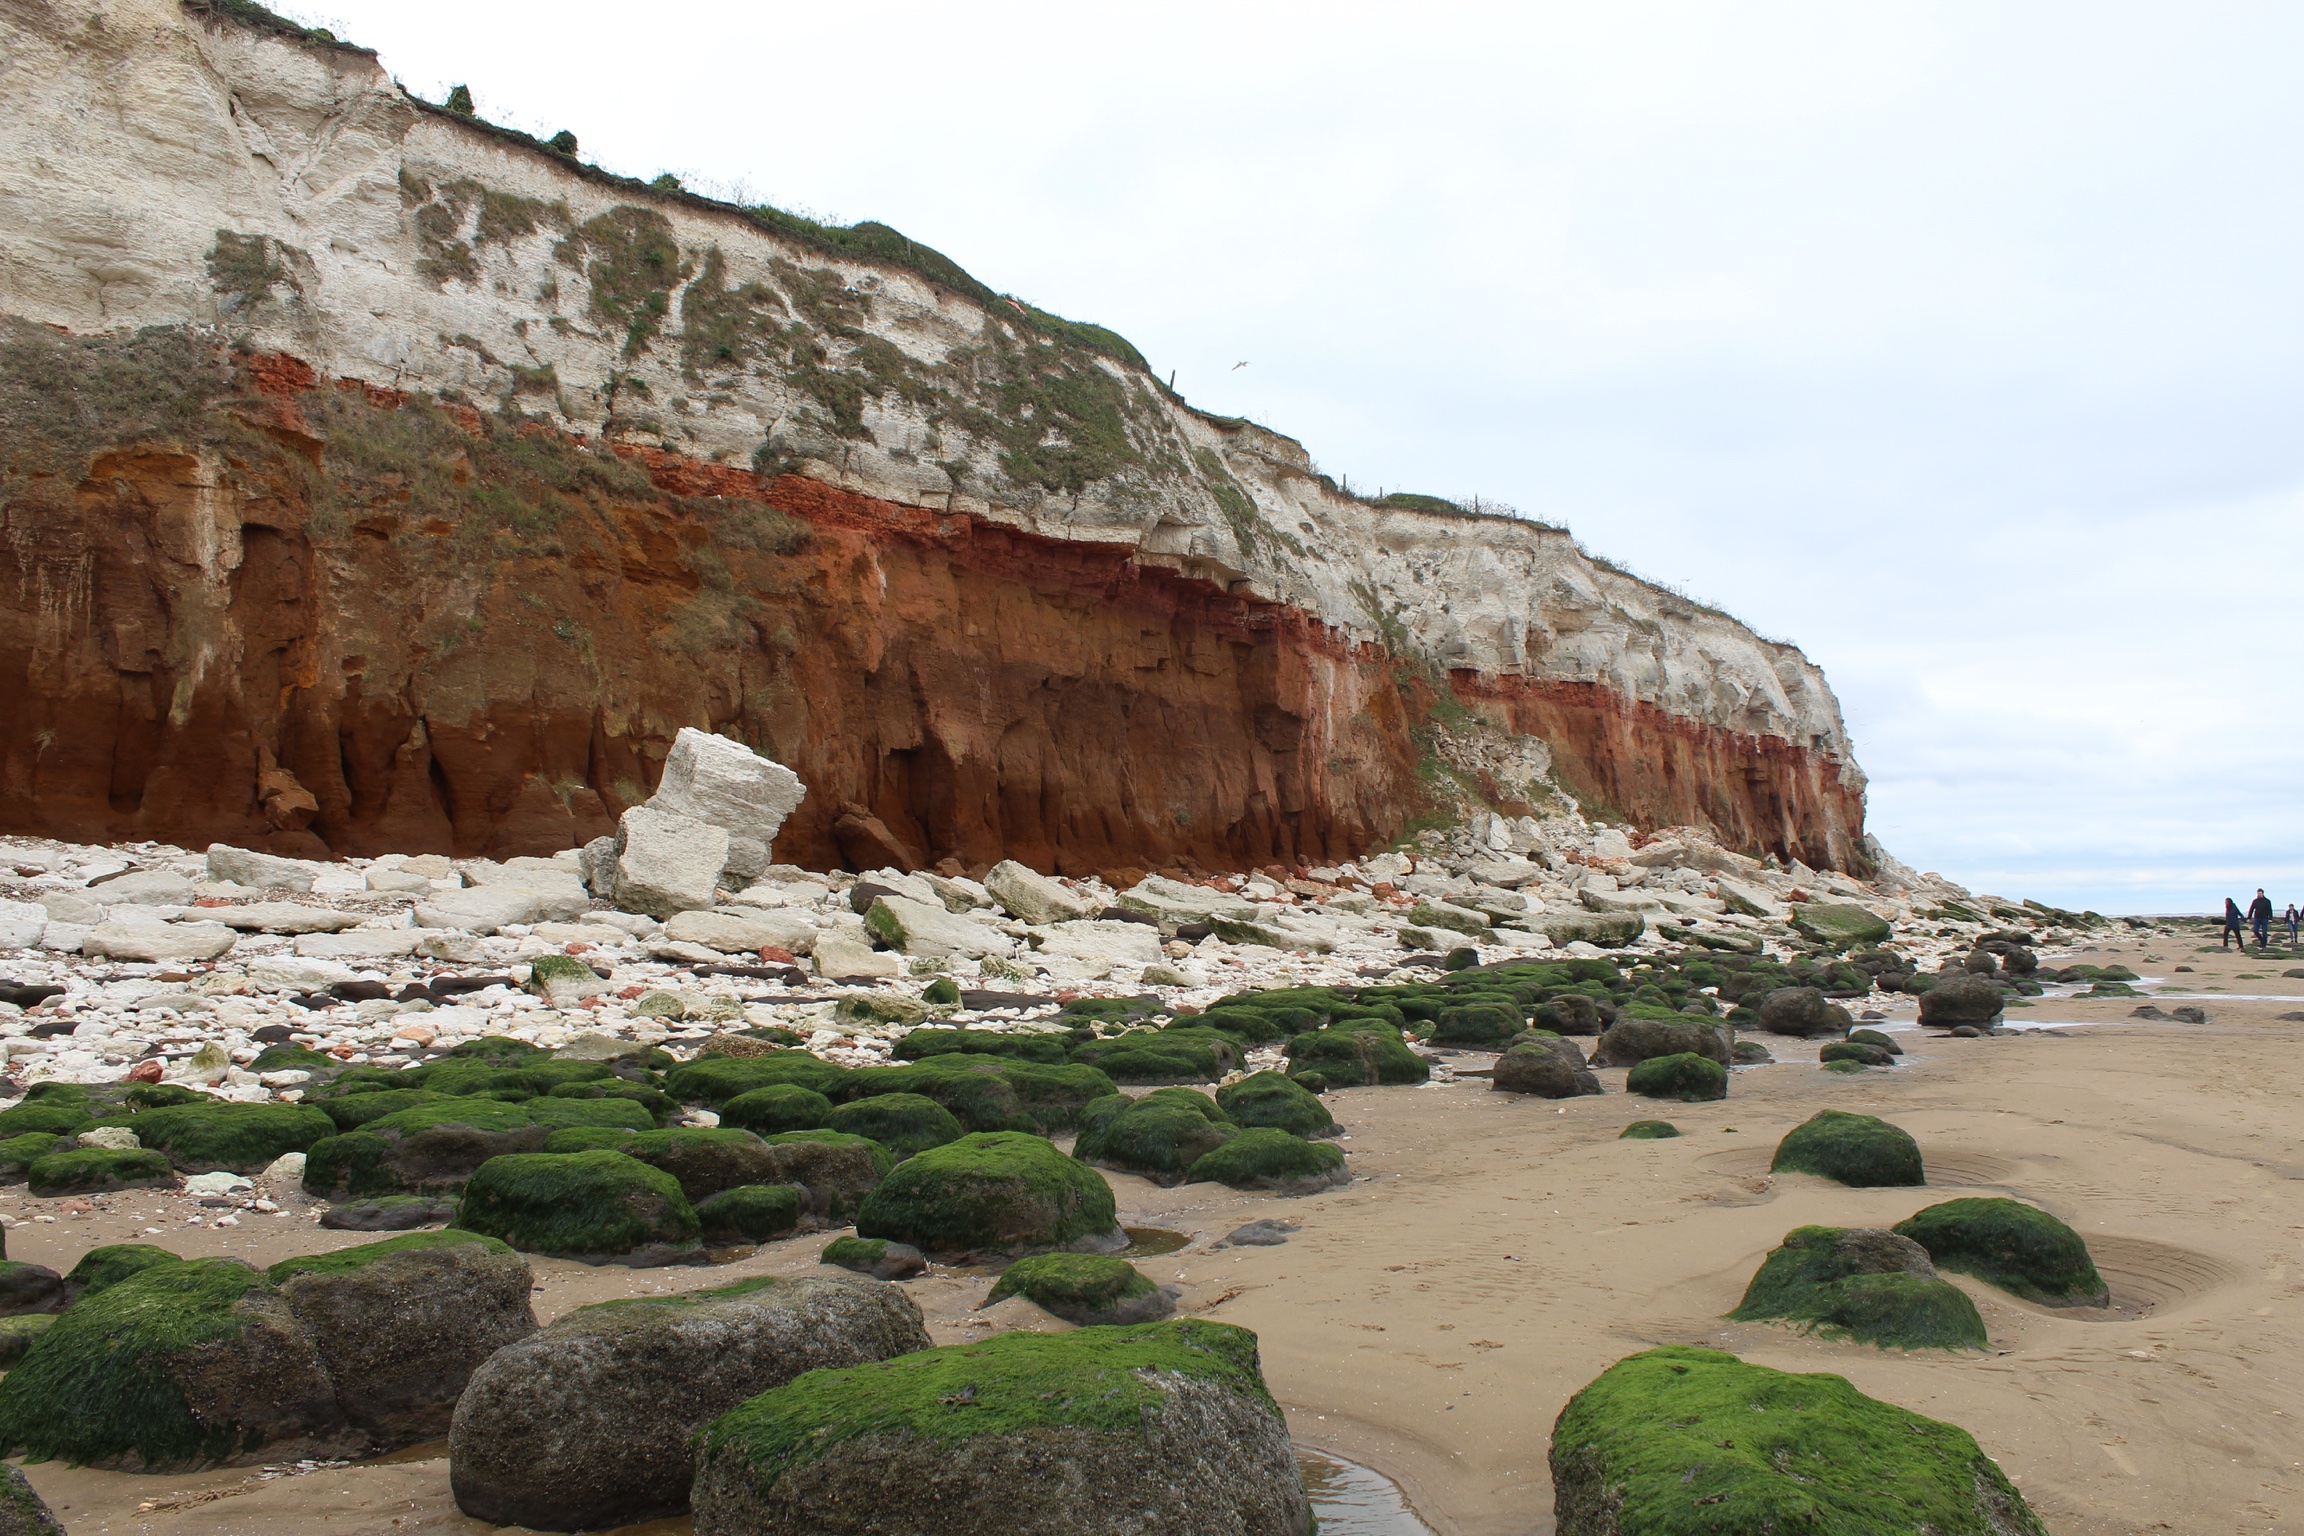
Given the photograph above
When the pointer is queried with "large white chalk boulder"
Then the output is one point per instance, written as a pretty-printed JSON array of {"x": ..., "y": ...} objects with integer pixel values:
[
  {"x": 711, "y": 779},
  {"x": 667, "y": 863},
  {"x": 479, "y": 909},
  {"x": 21, "y": 924},
  {"x": 260, "y": 871},
  {"x": 286, "y": 917},
  {"x": 743, "y": 930},
  {"x": 150, "y": 942},
  {"x": 1103, "y": 943},
  {"x": 918, "y": 928},
  {"x": 556, "y": 884},
  {"x": 1031, "y": 897},
  {"x": 846, "y": 954}
]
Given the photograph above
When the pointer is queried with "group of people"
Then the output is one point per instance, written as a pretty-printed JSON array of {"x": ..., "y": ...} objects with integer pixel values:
[{"x": 2258, "y": 917}]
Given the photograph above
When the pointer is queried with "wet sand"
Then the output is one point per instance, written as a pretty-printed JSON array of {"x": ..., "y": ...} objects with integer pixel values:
[{"x": 1498, "y": 1252}]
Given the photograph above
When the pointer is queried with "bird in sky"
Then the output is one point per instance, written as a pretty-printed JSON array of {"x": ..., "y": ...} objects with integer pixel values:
[{"x": 1236, "y": 367}]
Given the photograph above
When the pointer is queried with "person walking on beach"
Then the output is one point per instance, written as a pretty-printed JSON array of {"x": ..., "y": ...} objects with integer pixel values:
[
  {"x": 2260, "y": 918},
  {"x": 2292, "y": 918},
  {"x": 2233, "y": 933}
]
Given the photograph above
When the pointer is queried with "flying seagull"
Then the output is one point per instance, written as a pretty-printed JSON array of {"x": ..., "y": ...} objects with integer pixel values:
[{"x": 1236, "y": 367}]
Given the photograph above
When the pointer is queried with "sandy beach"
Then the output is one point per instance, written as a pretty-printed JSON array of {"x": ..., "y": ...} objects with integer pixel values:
[{"x": 1497, "y": 1252}]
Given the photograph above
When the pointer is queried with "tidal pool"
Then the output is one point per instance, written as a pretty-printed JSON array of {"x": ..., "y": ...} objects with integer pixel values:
[{"x": 1351, "y": 1500}]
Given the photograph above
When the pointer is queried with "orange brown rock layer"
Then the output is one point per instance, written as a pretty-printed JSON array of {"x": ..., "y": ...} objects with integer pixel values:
[{"x": 331, "y": 618}]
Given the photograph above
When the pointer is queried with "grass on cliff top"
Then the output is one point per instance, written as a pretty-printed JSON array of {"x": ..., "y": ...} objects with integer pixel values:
[
  {"x": 1692, "y": 1442},
  {"x": 1090, "y": 1378}
]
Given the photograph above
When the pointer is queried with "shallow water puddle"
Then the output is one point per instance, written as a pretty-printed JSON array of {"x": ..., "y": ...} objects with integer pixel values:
[
  {"x": 1151, "y": 1242},
  {"x": 1351, "y": 1500}
]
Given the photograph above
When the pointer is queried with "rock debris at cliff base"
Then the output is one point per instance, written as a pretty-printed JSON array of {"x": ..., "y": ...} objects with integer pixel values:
[{"x": 141, "y": 956}]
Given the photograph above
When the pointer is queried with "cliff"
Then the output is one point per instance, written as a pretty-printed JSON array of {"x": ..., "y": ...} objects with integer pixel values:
[{"x": 374, "y": 478}]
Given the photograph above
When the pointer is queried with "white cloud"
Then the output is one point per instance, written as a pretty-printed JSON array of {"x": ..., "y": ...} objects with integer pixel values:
[{"x": 1957, "y": 342}]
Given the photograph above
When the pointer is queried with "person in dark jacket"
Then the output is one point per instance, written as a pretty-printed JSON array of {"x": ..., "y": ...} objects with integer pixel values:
[
  {"x": 2233, "y": 932},
  {"x": 2260, "y": 918},
  {"x": 2292, "y": 917}
]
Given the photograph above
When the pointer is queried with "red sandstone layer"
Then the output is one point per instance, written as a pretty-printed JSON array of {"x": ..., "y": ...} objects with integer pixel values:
[{"x": 349, "y": 622}]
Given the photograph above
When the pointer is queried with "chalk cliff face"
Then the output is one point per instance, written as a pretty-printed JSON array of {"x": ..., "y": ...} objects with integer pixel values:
[{"x": 373, "y": 478}]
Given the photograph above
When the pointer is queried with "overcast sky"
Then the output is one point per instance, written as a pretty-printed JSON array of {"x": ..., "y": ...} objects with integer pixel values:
[{"x": 1958, "y": 344}]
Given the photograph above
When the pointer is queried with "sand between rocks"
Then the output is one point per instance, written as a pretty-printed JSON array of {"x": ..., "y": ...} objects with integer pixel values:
[{"x": 1496, "y": 1253}]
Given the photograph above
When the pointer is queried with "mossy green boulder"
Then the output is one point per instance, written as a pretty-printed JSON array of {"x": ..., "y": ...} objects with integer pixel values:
[
  {"x": 430, "y": 1146},
  {"x": 1353, "y": 1054},
  {"x": 2017, "y": 1247},
  {"x": 1477, "y": 1024},
  {"x": 596, "y": 1207},
  {"x": 1648, "y": 1130},
  {"x": 1682, "y": 1441},
  {"x": 95, "y": 1171},
  {"x": 773, "y": 1110},
  {"x": 941, "y": 1440},
  {"x": 176, "y": 1367},
  {"x": 1274, "y": 1101},
  {"x": 1275, "y": 1161},
  {"x": 16, "y": 1338},
  {"x": 705, "y": 1159},
  {"x": 1158, "y": 1136},
  {"x": 1859, "y": 1283},
  {"x": 995, "y": 1191},
  {"x": 589, "y": 1424},
  {"x": 904, "y": 1123},
  {"x": 714, "y": 1080},
  {"x": 1861, "y": 1151},
  {"x": 920, "y": 1044},
  {"x": 833, "y": 1170},
  {"x": 229, "y": 1138},
  {"x": 46, "y": 1117},
  {"x": 1093, "y": 1290},
  {"x": 18, "y": 1153},
  {"x": 100, "y": 1269},
  {"x": 992, "y": 1093},
  {"x": 875, "y": 1256},
  {"x": 1179, "y": 1054},
  {"x": 1686, "y": 1076},
  {"x": 749, "y": 1213}
]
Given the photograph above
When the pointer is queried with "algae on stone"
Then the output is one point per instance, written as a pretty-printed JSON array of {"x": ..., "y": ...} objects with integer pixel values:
[
  {"x": 2017, "y": 1247},
  {"x": 1872, "y": 1286},
  {"x": 595, "y": 1207},
  {"x": 1681, "y": 1441},
  {"x": 999, "y": 1190},
  {"x": 1267, "y": 1159},
  {"x": 1862, "y": 1151},
  {"x": 1685, "y": 1076},
  {"x": 1092, "y": 1290}
]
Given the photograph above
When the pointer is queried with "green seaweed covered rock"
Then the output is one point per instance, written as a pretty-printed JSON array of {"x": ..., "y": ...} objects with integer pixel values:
[
  {"x": 401, "y": 1324},
  {"x": 1648, "y": 1130},
  {"x": 1355, "y": 1053},
  {"x": 587, "y": 1424},
  {"x": 998, "y": 1191},
  {"x": 1176, "y": 1414},
  {"x": 920, "y": 1044},
  {"x": 1546, "y": 1066},
  {"x": 875, "y": 1256},
  {"x": 705, "y": 1159},
  {"x": 1859, "y": 1283},
  {"x": 96, "y": 1170},
  {"x": 1158, "y": 1136},
  {"x": 1183, "y": 1053},
  {"x": 1682, "y": 1441},
  {"x": 430, "y": 1146},
  {"x": 714, "y": 1080},
  {"x": 749, "y": 1213},
  {"x": 904, "y": 1123},
  {"x": 1481, "y": 1024},
  {"x": 183, "y": 1365},
  {"x": 1687, "y": 1077},
  {"x": 992, "y": 1093},
  {"x": 17, "y": 1335},
  {"x": 100, "y": 1269},
  {"x": 1858, "y": 1150},
  {"x": 594, "y": 1207},
  {"x": 1274, "y": 1101},
  {"x": 230, "y": 1138},
  {"x": 2017, "y": 1247},
  {"x": 1272, "y": 1160},
  {"x": 832, "y": 1170},
  {"x": 22, "y": 1511},
  {"x": 1086, "y": 1288},
  {"x": 18, "y": 1153},
  {"x": 45, "y": 1117},
  {"x": 773, "y": 1110}
]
